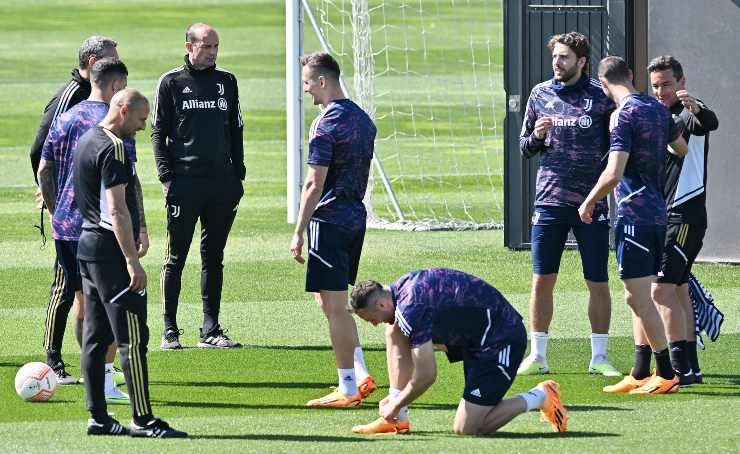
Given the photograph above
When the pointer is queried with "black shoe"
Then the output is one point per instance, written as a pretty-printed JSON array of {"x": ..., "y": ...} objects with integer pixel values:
[
  {"x": 698, "y": 378},
  {"x": 156, "y": 428},
  {"x": 686, "y": 379},
  {"x": 63, "y": 378},
  {"x": 217, "y": 339},
  {"x": 111, "y": 427},
  {"x": 171, "y": 339}
]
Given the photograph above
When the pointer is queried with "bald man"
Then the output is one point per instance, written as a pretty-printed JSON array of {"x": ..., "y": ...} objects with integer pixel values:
[
  {"x": 197, "y": 132},
  {"x": 113, "y": 280}
]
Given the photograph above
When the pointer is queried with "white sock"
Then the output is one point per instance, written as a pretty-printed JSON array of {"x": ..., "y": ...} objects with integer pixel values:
[
  {"x": 360, "y": 368},
  {"x": 109, "y": 383},
  {"x": 598, "y": 347},
  {"x": 403, "y": 415},
  {"x": 534, "y": 398},
  {"x": 539, "y": 345},
  {"x": 347, "y": 382}
]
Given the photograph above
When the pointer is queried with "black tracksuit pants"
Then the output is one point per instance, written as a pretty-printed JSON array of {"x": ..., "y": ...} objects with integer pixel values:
[
  {"x": 114, "y": 313},
  {"x": 61, "y": 297},
  {"x": 214, "y": 201}
]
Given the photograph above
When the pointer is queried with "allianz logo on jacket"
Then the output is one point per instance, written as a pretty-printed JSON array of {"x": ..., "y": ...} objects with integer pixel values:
[
  {"x": 207, "y": 104},
  {"x": 584, "y": 121}
]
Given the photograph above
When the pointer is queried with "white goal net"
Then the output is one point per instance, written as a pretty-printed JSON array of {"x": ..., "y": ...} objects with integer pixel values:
[{"x": 430, "y": 74}]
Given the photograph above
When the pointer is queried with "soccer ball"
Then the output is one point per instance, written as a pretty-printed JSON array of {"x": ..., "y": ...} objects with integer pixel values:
[{"x": 35, "y": 382}]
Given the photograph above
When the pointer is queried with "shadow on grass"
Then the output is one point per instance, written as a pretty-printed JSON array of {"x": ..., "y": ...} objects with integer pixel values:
[
  {"x": 283, "y": 438},
  {"x": 319, "y": 348},
  {"x": 698, "y": 392},
  {"x": 234, "y": 405},
  {"x": 727, "y": 378},
  {"x": 595, "y": 408},
  {"x": 6, "y": 364},
  {"x": 546, "y": 435},
  {"x": 520, "y": 435},
  {"x": 228, "y": 384},
  {"x": 227, "y": 405}
]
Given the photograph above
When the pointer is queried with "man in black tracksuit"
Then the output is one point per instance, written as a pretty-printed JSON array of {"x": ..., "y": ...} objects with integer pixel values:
[
  {"x": 197, "y": 139},
  {"x": 685, "y": 194},
  {"x": 113, "y": 278},
  {"x": 63, "y": 287}
]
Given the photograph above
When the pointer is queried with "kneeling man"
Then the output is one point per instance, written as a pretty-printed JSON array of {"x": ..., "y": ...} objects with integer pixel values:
[{"x": 472, "y": 322}]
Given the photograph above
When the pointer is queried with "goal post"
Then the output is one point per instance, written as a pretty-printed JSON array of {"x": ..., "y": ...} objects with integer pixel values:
[{"x": 429, "y": 73}]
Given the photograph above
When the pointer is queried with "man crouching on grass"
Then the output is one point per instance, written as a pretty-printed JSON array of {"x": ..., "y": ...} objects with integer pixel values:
[{"x": 471, "y": 321}]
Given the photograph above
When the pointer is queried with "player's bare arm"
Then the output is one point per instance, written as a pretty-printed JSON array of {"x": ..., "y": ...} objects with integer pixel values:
[
  {"x": 46, "y": 184},
  {"x": 678, "y": 147},
  {"x": 143, "y": 244},
  {"x": 425, "y": 374},
  {"x": 607, "y": 181},
  {"x": 310, "y": 196},
  {"x": 124, "y": 232}
]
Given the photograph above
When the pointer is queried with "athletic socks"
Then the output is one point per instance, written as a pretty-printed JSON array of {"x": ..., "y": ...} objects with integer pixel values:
[
  {"x": 109, "y": 383},
  {"x": 598, "y": 347},
  {"x": 539, "y": 345},
  {"x": 361, "y": 372},
  {"x": 643, "y": 355},
  {"x": 347, "y": 382},
  {"x": 534, "y": 398},
  {"x": 663, "y": 364},
  {"x": 403, "y": 414},
  {"x": 679, "y": 357},
  {"x": 693, "y": 358}
]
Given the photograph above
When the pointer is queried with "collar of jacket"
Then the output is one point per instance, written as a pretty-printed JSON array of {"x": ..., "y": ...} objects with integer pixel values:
[
  {"x": 191, "y": 69},
  {"x": 79, "y": 79},
  {"x": 561, "y": 89}
]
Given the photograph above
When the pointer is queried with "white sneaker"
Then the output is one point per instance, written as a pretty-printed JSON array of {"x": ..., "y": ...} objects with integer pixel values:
[
  {"x": 63, "y": 378},
  {"x": 116, "y": 396},
  {"x": 600, "y": 365},
  {"x": 533, "y": 365}
]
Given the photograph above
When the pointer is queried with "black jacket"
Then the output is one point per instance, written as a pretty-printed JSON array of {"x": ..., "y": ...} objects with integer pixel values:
[
  {"x": 197, "y": 128},
  {"x": 686, "y": 177},
  {"x": 76, "y": 90}
]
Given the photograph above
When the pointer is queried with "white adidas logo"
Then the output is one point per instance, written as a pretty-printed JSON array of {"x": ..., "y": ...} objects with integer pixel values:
[
  {"x": 475, "y": 392},
  {"x": 187, "y": 90}
]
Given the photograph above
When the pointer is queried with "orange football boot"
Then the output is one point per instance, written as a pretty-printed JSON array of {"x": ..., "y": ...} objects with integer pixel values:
[
  {"x": 367, "y": 386},
  {"x": 553, "y": 409},
  {"x": 658, "y": 385},
  {"x": 626, "y": 384},
  {"x": 381, "y": 426},
  {"x": 335, "y": 399}
]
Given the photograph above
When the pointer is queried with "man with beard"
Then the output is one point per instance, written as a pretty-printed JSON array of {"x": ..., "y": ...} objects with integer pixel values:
[{"x": 566, "y": 124}]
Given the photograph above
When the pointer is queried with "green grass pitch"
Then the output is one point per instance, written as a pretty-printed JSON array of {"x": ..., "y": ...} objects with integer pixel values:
[{"x": 253, "y": 399}]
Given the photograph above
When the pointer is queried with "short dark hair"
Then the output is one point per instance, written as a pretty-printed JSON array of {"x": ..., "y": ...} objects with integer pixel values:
[
  {"x": 322, "y": 63},
  {"x": 664, "y": 63},
  {"x": 105, "y": 70},
  {"x": 364, "y": 293},
  {"x": 577, "y": 42},
  {"x": 94, "y": 46},
  {"x": 614, "y": 69}
]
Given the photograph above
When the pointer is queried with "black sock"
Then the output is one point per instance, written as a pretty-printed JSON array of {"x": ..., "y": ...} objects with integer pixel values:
[
  {"x": 692, "y": 356},
  {"x": 142, "y": 421},
  {"x": 679, "y": 357},
  {"x": 643, "y": 354},
  {"x": 663, "y": 364},
  {"x": 100, "y": 417}
]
